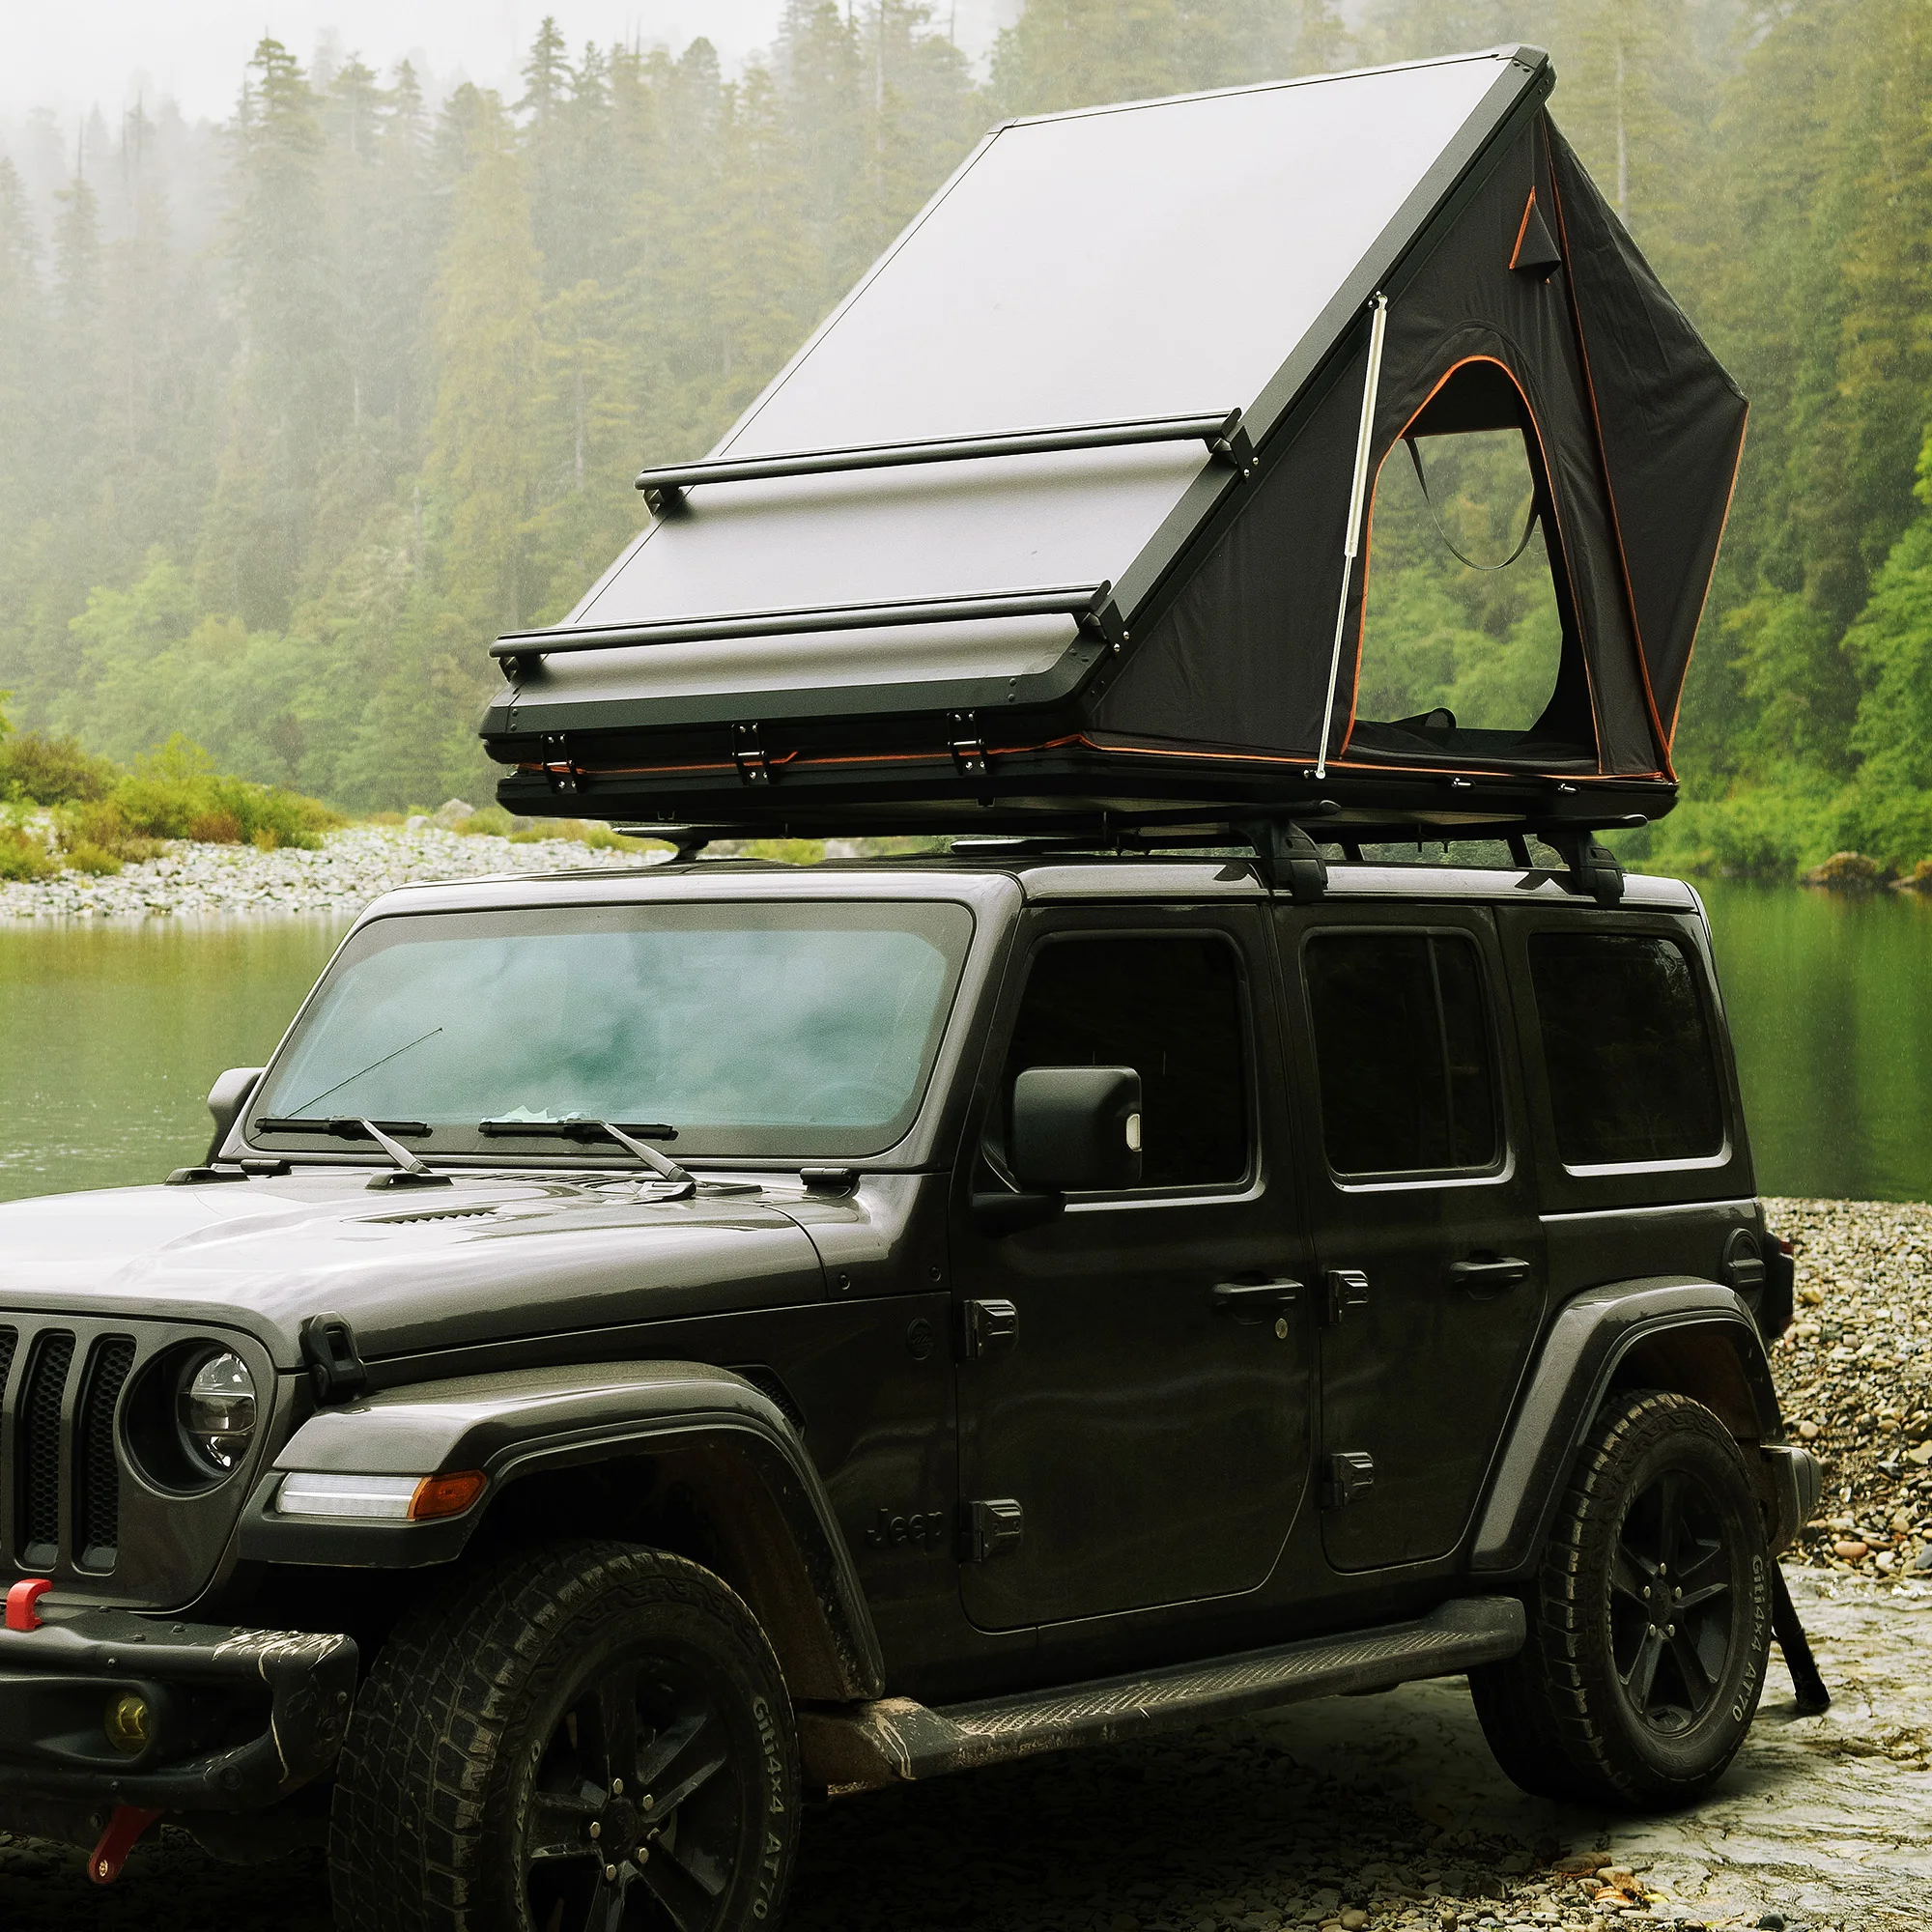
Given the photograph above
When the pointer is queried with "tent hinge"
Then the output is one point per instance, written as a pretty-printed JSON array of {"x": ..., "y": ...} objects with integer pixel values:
[
  {"x": 559, "y": 768},
  {"x": 967, "y": 746},
  {"x": 747, "y": 754}
]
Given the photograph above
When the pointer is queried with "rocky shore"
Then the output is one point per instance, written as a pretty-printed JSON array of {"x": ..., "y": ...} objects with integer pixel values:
[{"x": 352, "y": 867}]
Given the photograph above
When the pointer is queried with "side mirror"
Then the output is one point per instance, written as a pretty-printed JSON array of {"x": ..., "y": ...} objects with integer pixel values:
[
  {"x": 225, "y": 1101},
  {"x": 1077, "y": 1130}
]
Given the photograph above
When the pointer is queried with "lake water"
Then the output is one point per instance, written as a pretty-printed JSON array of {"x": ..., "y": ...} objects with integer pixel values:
[{"x": 110, "y": 1035}]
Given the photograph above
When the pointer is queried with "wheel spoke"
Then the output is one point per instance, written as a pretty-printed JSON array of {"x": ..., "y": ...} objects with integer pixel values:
[
  {"x": 1697, "y": 1685},
  {"x": 617, "y": 1723},
  {"x": 664, "y": 1751},
  {"x": 666, "y": 1802},
  {"x": 1642, "y": 1673},
  {"x": 559, "y": 1826},
  {"x": 1631, "y": 1576},
  {"x": 1669, "y": 1518},
  {"x": 1691, "y": 1598},
  {"x": 685, "y": 1897}
]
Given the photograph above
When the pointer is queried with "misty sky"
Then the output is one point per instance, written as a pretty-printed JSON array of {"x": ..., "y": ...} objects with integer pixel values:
[{"x": 87, "y": 53}]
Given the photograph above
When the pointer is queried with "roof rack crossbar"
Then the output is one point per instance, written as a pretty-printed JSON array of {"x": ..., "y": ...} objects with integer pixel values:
[
  {"x": 1220, "y": 430},
  {"x": 1090, "y": 605}
]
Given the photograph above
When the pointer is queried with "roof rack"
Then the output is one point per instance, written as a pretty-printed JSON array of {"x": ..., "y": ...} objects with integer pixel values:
[
  {"x": 1220, "y": 430},
  {"x": 1288, "y": 857}
]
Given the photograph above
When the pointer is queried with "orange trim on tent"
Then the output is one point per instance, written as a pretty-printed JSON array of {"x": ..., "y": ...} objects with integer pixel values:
[
  {"x": 1555, "y": 510},
  {"x": 1522, "y": 229}
]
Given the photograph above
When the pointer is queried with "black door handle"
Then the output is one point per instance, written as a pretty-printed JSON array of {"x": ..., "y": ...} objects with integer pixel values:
[
  {"x": 1255, "y": 1300},
  {"x": 1491, "y": 1272}
]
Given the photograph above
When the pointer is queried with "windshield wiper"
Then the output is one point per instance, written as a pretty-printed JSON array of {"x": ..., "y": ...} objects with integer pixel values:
[
  {"x": 412, "y": 1170},
  {"x": 684, "y": 1182}
]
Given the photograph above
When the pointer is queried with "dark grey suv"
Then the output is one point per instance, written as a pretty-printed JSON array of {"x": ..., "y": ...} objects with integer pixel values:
[{"x": 654, "y": 1346}]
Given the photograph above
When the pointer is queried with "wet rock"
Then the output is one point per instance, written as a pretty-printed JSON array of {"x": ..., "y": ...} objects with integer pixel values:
[{"x": 1850, "y": 873}]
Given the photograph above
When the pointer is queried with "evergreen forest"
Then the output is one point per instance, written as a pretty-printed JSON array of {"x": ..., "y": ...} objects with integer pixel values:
[{"x": 299, "y": 412}]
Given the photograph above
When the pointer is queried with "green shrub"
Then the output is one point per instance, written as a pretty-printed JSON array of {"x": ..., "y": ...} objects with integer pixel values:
[
  {"x": 22, "y": 856},
  {"x": 492, "y": 822},
  {"x": 51, "y": 771},
  {"x": 176, "y": 793},
  {"x": 90, "y": 858}
]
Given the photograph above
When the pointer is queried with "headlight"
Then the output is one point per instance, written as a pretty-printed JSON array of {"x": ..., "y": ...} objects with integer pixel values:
[{"x": 215, "y": 1409}]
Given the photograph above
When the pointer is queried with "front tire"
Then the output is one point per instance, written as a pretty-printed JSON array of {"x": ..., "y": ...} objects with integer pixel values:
[
  {"x": 583, "y": 1738},
  {"x": 1650, "y": 1625}
]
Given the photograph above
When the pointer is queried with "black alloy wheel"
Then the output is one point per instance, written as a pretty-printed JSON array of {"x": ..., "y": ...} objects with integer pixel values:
[
  {"x": 636, "y": 1805},
  {"x": 1649, "y": 1620},
  {"x": 587, "y": 1736},
  {"x": 1671, "y": 1613}
]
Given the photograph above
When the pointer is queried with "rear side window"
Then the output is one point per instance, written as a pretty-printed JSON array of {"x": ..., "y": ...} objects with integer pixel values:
[
  {"x": 1402, "y": 1043},
  {"x": 1633, "y": 1077},
  {"x": 1171, "y": 1010}
]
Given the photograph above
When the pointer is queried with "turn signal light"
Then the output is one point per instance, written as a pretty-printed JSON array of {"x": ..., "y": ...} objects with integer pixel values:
[{"x": 446, "y": 1495}]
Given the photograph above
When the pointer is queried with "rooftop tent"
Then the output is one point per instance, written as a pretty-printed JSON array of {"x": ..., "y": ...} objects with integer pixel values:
[{"x": 1322, "y": 441}]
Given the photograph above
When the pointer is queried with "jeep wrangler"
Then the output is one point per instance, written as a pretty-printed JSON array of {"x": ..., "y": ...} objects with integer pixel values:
[{"x": 657, "y": 1346}]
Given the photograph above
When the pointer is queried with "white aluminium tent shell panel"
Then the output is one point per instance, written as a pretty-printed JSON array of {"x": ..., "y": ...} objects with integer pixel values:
[{"x": 1161, "y": 259}]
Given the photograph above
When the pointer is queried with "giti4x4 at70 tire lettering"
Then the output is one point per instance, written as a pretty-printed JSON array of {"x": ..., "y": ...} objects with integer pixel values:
[
  {"x": 1651, "y": 1620},
  {"x": 582, "y": 1738}
]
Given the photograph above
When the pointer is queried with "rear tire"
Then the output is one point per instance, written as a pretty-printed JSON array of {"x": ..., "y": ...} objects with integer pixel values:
[
  {"x": 1650, "y": 1623},
  {"x": 584, "y": 1735}
]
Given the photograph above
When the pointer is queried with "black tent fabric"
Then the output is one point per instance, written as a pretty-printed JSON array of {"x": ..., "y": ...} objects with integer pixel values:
[{"x": 1084, "y": 540}]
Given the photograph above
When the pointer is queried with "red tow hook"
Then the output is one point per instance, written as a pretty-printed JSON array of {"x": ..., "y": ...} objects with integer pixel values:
[
  {"x": 23, "y": 1603},
  {"x": 123, "y": 1833}
]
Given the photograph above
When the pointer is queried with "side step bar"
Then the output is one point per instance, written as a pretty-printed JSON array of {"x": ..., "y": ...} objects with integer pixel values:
[{"x": 865, "y": 1747}]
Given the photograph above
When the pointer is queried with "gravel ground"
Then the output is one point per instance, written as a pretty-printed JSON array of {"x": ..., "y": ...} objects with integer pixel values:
[
  {"x": 1855, "y": 1374},
  {"x": 1385, "y": 1812},
  {"x": 351, "y": 868}
]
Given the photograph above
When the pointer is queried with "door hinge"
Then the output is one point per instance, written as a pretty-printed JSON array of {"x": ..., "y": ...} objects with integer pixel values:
[
  {"x": 986, "y": 1328},
  {"x": 1348, "y": 1287},
  {"x": 989, "y": 1529},
  {"x": 1351, "y": 1473},
  {"x": 747, "y": 754}
]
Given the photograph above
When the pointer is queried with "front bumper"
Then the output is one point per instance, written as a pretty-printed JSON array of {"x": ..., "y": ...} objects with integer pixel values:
[{"x": 239, "y": 1719}]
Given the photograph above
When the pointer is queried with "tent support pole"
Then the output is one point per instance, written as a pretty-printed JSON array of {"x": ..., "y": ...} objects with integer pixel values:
[{"x": 1351, "y": 542}]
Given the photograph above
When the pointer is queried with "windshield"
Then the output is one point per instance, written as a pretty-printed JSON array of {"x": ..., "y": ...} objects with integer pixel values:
[{"x": 788, "y": 1030}]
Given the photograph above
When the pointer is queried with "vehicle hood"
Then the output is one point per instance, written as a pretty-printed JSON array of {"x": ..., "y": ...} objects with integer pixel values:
[{"x": 490, "y": 1258}]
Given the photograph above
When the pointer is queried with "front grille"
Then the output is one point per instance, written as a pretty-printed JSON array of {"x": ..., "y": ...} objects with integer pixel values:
[
  {"x": 93, "y": 1492},
  {"x": 39, "y": 1442},
  {"x": 97, "y": 1475}
]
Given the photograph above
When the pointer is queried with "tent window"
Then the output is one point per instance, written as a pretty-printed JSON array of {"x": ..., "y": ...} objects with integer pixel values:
[{"x": 1463, "y": 636}]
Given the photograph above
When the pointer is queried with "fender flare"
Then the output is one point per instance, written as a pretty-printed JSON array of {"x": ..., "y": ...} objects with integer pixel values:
[
  {"x": 793, "y": 1562},
  {"x": 1591, "y": 1339}
]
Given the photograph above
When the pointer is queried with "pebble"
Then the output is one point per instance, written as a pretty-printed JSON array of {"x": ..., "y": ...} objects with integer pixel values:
[
  {"x": 352, "y": 867},
  {"x": 1855, "y": 1376}
]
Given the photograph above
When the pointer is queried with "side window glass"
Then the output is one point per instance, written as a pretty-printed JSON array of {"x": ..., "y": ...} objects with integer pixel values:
[
  {"x": 1403, "y": 1048},
  {"x": 1172, "y": 1009},
  {"x": 1631, "y": 1073}
]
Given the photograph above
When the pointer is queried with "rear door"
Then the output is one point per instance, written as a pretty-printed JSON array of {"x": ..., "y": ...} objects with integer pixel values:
[
  {"x": 1428, "y": 1251},
  {"x": 1145, "y": 1434}
]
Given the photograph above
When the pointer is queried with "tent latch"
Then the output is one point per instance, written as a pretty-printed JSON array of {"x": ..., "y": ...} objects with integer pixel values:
[
  {"x": 747, "y": 754},
  {"x": 557, "y": 765},
  {"x": 967, "y": 746}
]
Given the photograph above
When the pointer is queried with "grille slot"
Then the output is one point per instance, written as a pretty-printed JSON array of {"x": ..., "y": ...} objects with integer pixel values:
[
  {"x": 8, "y": 1340},
  {"x": 39, "y": 1435},
  {"x": 97, "y": 1469}
]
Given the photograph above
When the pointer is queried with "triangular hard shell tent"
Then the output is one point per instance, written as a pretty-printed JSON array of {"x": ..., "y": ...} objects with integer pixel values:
[{"x": 1054, "y": 516}]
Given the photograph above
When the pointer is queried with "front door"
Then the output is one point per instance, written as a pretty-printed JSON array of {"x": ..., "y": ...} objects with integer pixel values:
[
  {"x": 1134, "y": 1373},
  {"x": 1430, "y": 1251}
]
